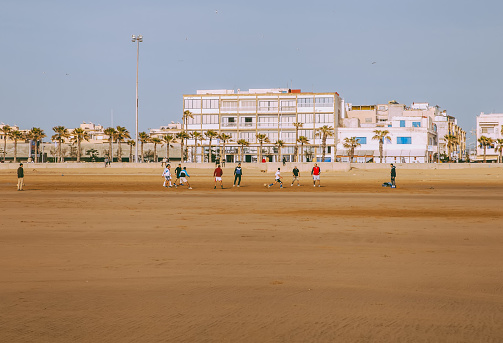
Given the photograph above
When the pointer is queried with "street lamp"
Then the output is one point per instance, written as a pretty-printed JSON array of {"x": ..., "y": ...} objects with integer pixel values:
[{"x": 137, "y": 39}]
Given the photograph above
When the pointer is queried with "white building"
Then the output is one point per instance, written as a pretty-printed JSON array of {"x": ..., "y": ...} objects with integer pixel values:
[
  {"x": 412, "y": 140},
  {"x": 271, "y": 112},
  {"x": 489, "y": 125}
]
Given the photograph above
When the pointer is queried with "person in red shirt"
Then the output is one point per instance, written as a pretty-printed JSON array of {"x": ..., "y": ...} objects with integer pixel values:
[
  {"x": 217, "y": 174},
  {"x": 316, "y": 175}
]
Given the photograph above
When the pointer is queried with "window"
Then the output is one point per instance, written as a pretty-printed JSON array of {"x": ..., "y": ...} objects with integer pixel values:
[
  {"x": 402, "y": 123},
  {"x": 247, "y": 105},
  {"x": 324, "y": 118},
  {"x": 305, "y": 118},
  {"x": 416, "y": 124},
  {"x": 324, "y": 102},
  {"x": 247, "y": 136},
  {"x": 228, "y": 121},
  {"x": 403, "y": 140},
  {"x": 305, "y": 102},
  {"x": 210, "y": 119},
  {"x": 288, "y": 137},
  {"x": 228, "y": 105},
  {"x": 264, "y": 121},
  {"x": 196, "y": 119},
  {"x": 192, "y": 104},
  {"x": 306, "y": 133},
  {"x": 210, "y": 103},
  {"x": 288, "y": 105},
  {"x": 361, "y": 140},
  {"x": 268, "y": 105}
]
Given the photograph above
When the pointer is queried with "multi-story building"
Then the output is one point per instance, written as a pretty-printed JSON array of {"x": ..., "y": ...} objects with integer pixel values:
[
  {"x": 489, "y": 125},
  {"x": 271, "y": 112},
  {"x": 424, "y": 125},
  {"x": 170, "y": 129}
]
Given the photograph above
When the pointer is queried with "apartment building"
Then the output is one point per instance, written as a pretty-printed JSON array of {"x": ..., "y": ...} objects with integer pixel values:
[
  {"x": 422, "y": 129},
  {"x": 489, "y": 125},
  {"x": 243, "y": 115}
]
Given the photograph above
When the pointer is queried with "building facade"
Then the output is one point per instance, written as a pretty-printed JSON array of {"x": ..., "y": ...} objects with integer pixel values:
[
  {"x": 489, "y": 125},
  {"x": 270, "y": 112}
]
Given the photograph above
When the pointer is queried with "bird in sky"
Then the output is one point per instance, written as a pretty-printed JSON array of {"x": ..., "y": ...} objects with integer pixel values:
[{"x": 374, "y": 62}]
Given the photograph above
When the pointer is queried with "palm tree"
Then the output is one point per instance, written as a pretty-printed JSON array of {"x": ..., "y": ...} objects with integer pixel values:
[
  {"x": 210, "y": 134},
  {"x": 351, "y": 144},
  {"x": 131, "y": 144},
  {"x": 61, "y": 133},
  {"x": 450, "y": 141},
  {"x": 182, "y": 136},
  {"x": 484, "y": 143},
  {"x": 242, "y": 143},
  {"x": 143, "y": 138},
  {"x": 6, "y": 129},
  {"x": 261, "y": 138},
  {"x": 78, "y": 135},
  {"x": 324, "y": 132},
  {"x": 122, "y": 135},
  {"x": 279, "y": 143},
  {"x": 224, "y": 138},
  {"x": 381, "y": 135},
  {"x": 168, "y": 139},
  {"x": 185, "y": 116},
  {"x": 302, "y": 140},
  {"x": 16, "y": 135},
  {"x": 36, "y": 134},
  {"x": 196, "y": 135},
  {"x": 112, "y": 135},
  {"x": 499, "y": 148},
  {"x": 156, "y": 141},
  {"x": 297, "y": 126}
]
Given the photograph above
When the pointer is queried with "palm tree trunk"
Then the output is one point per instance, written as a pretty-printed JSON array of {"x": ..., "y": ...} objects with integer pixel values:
[
  {"x": 260, "y": 154},
  {"x": 155, "y": 152},
  {"x": 485, "y": 147},
  {"x": 78, "y": 149},
  {"x": 36, "y": 151},
  {"x": 209, "y": 152},
  {"x": 381, "y": 150},
  {"x": 120, "y": 151},
  {"x": 142, "y": 159},
  {"x": 15, "y": 150},
  {"x": 4, "y": 145},
  {"x": 181, "y": 150},
  {"x": 60, "y": 152},
  {"x": 324, "y": 145},
  {"x": 302, "y": 152}
]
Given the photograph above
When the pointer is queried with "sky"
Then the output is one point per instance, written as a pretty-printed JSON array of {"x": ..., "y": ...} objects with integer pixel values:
[{"x": 66, "y": 62}]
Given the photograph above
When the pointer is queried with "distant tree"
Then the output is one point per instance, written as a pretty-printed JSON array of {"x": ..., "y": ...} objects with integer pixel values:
[
  {"x": 185, "y": 118},
  {"x": 168, "y": 139},
  {"x": 6, "y": 129},
  {"x": 93, "y": 153},
  {"x": 16, "y": 136},
  {"x": 121, "y": 135},
  {"x": 381, "y": 135},
  {"x": 499, "y": 148},
  {"x": 143, "y": 137},
  {"x": 36, "y": 134},
  {"x": 279, "y": 143},
  {"x": 242, "y": 143},
  {"x": 351, "y": 143},
  {"x": 297, "y": 126},
  {"x": 196, "y": 136},
  {"x": 224, "y": 138},
  {"x": 112, "y": 135},
  {"x": 210, "y": 134},
  {"x": 156, "y": 141},
  {"x": 131, "y": 144},
  {"x": 302, "y": 140},
  {"x": 450, "y": 142},
  {"x": 182, "y": 136},
  {"x": 61, "y": 133},
  {"x": 78, "y": 135},
  {"x": 261, "y": 139},
  {"x": 324, "y": 132},
  {"x": 484, "y": 143}
]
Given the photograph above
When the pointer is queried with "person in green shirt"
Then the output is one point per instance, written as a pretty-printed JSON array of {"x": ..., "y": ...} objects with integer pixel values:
[{"x": 20, "y": 177}]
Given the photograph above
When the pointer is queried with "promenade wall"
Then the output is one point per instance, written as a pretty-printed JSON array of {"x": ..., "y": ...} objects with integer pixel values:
[{"x": 265, "y": 167}]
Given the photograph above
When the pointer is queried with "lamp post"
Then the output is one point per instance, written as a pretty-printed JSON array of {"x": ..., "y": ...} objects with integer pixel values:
[{"x": 137, "y": 39}]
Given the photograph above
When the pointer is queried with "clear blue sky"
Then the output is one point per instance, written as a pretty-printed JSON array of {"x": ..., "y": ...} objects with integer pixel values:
[{"x": 64, "y": 62}]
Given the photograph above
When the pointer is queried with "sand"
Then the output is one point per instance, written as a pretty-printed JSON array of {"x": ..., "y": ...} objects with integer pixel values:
[{"x": 110, "y": 255}]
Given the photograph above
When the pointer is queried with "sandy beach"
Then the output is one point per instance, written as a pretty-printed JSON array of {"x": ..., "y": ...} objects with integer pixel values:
[{"x": 110, "y": 255}]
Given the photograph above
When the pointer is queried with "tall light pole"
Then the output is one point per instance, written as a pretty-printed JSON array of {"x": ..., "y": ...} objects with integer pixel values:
[{"x": 137, "y": 39}]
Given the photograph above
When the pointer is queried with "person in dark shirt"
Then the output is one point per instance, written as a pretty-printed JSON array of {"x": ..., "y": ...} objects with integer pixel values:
[
  {"x": 177, "y": 174},
  {"x": 393, "y": 175},
  {"x": 238, "y": 172},
  {"x": 296, "y": 176},
  {"x": 20, "y": 177}
]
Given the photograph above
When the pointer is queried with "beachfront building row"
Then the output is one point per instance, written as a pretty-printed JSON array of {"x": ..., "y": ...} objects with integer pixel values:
[
  {"x": 489, "y": 125},
  {"x": 415, "y": 133}
]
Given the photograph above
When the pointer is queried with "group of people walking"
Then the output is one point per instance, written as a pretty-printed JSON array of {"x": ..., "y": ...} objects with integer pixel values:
[{"x": 180, "y": 176}]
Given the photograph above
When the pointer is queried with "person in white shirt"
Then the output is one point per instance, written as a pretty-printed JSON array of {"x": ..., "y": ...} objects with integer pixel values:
[
  {"x": 167, "y": 175},
  {"x": 277, "y": 179}
]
